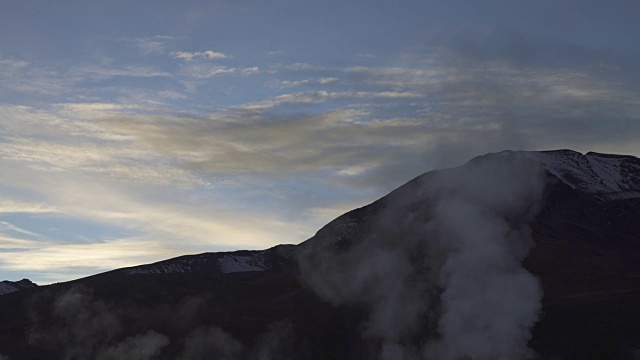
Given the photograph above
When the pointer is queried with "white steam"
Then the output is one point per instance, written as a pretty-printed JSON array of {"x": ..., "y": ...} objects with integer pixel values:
[
  {"x": 438, "y": 266},
  {"x": 489, "y": 301}
]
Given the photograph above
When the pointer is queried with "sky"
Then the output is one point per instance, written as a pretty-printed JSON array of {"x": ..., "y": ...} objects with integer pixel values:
[{"x": 135, "y": 131}]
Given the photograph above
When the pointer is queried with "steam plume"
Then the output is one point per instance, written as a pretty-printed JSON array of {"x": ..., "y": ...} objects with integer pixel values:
[{"x": 440, "y": 264}]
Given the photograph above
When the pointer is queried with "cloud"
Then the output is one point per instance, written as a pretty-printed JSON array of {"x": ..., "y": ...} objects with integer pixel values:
[
  {"x": 152, "y": 44},
  {"x": 282, "y": 84},
  {"x": 106, "y": 72},
  {"x": 141, "y": 224},
  {"x": 21, "y": 77},
  {"x": 159, "y": 228},
  {"x": 322, "y": 96},
  {"x": 207, "y": 55},
  {"x": 286, "y": 83},
  {"x": 10, "y": 206},
  {"x": 71, "y": 166},
  {"x": 250, "y": 70},
  {"x": 328, "y": 80},
  {"x": 405, "y": 120},
  {"x": 192, "y": 170},
  {"x": 71, "y": 140},
  {"x": 55, "y": 80},
  {"x": 8, "y": 227},
  {"x": 12, "y": 64},
  {"x": 206, "y": 71}
]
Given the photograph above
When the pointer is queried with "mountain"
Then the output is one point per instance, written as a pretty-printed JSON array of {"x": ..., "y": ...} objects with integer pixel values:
[
  {"x": 7, "y": 287},
  {"x": 512, "y": 255}
]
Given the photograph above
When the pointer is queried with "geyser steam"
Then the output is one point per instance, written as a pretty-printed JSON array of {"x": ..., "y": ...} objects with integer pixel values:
[{"x": 439, "y": 267}]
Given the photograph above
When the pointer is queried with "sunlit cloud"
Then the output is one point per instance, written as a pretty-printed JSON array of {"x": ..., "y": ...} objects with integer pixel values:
[{"x": 12, "y": 206}]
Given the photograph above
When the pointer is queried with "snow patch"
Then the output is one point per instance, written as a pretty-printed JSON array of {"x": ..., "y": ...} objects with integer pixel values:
[
  {"x": 206, "y": 263},
  {"x": 608, "y": 170},
  {"x": 160, "y": 269},
  {"x": 605, "y": 175},
  {"x": 6, "y": 288},
  {"x": 237, "y": 263}
]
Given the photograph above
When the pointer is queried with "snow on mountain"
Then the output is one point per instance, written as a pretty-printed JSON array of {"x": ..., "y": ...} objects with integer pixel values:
[
  {"x": 7, "y": 287},
  {"x": 610, "y": 176},
  {"x": 239, "y": 261},
  {"x": 160, "y": 269},
  {"x": 231, "y": 263}
]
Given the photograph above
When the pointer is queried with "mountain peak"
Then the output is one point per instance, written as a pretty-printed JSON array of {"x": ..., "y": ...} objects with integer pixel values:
[
  {"x": 7, "y": 286},
  {"x": 608, "y": 175}
]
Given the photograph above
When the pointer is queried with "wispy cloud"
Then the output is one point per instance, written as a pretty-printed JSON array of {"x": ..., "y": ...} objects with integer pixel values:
[
  {"x": 322, "y": 96},
  {"x": 52, "y": 259},
  {"x": 152, "y": 44},
  {"x": 11, "y": 206},
  {"x": 93, "y": 72},
  {"x": 208, "y": 55},
  {"x": 57, "y": 79},
  {"x": 8, "y": 227},
  {"x": 9, "y": 64},
  {"x": 250, "y": 70},
  {"x": 206, "y": 71},
  {"x": 161, "y": 226}
]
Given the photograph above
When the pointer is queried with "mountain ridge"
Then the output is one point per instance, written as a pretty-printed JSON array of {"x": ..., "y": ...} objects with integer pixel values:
[
  {"x": 583, "y": 253},
  {"x": 568, "y": 166}
]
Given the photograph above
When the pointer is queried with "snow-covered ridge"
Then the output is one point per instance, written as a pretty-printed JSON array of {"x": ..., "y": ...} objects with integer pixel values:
[
  {"x": 225, "y": 263},
  {"x": 235, "y": 263},
  {"x": 179, "y": 267},
  {"x": 7, "y": 287},
  {"x": 611, "y": 176}
]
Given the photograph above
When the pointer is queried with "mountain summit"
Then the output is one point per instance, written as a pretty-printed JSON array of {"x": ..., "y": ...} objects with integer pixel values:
[
  {"x": 7, "y": 287},
  {"x": 514, "y": 255}
]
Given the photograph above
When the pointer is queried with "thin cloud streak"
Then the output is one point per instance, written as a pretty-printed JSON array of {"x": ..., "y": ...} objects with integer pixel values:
[{"x": 208, "y": 55}]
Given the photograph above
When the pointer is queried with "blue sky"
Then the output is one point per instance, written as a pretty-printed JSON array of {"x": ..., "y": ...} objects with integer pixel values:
[{"x": 134, "y": 131}]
